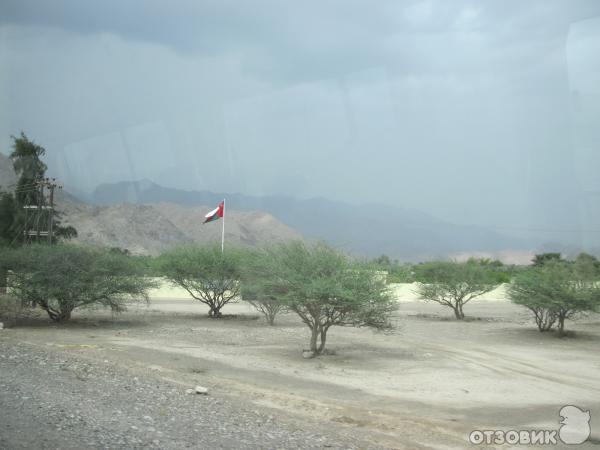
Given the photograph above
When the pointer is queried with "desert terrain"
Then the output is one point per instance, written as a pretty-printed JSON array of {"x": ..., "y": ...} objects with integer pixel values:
[{"x": 427, "y": 384}]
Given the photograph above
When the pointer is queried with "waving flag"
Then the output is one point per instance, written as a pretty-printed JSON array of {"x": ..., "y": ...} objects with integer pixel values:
[{"x": 216, "y": 213}]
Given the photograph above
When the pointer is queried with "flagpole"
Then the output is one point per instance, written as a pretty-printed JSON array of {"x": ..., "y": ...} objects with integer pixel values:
[{"x": 223, "y": 230}]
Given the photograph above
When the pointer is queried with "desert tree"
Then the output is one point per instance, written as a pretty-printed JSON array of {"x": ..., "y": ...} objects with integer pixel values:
[
  {"x": 587, "y": 266},
  {"x": 258, "y": 286},
  {"x": 326, "y": 288},
  {"x": 62, "y": 278},
  {"x": 265, "y": 300},
  {"x": 396, "y": 272},
  {"x": 556, "y": 291},
  {"x": 454, "y": 284},
  {"x": 543, "y": 258},
  {"x": 205, "y": 272}
]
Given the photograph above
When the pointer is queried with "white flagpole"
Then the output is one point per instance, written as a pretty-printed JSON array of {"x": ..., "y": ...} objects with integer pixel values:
[{"x": 223, "y": 230}]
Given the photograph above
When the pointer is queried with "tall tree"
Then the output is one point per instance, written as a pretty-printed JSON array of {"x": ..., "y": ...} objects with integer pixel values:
[
  {"x": 27, "y": 163},
  {"x": 31, "y": 170}
]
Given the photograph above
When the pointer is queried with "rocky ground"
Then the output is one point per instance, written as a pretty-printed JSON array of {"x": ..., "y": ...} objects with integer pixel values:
[{"x": 57, "y": 400}]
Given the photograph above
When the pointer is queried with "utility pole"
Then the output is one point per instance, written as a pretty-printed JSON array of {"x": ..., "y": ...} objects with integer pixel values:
[
  {"x": 51, "y": 186},
  {"x": 42, "y": 213}
]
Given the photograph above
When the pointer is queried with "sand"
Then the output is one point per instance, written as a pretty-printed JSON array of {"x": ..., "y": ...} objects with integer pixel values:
[{"x": 427, "y": 384}]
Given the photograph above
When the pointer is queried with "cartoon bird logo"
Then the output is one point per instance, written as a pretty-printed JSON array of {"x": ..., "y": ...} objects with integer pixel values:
[{"x": 575, "y": 423}]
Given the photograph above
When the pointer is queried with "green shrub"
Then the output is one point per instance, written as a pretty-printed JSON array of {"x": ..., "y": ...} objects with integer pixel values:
[
  {"x": 61, "y": 278},
  {"x": 324, "y": 288},
  {"x": 556, "y": 291}
]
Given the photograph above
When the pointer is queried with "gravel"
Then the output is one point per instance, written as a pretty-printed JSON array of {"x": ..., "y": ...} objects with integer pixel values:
[{"x": 61, "y": 400}]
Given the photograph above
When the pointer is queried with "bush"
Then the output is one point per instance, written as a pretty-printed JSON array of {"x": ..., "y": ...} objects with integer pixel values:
[
  {"x": 61, "y": 278},
  {"x": 455, "y": 284},
  {"x": 207, "y": 274},
  {"x": 325, "y": 288},
  {"x": 556, "y": 291}
]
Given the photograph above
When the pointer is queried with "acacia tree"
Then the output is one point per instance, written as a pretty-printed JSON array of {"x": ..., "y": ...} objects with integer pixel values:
[
  {"x": 264, "y": 301},
  {"x": 587, "y": 266},
  {"x": 205, "y": 272},
  {"x": 454, "y": 284},
  {"x": 556, "y": 291},
  {"x": 325, "y": 288},
  {"x": 61, "y": 278},
  {"x": 257, "y": 286},
  {"x": 544, "y": 258}
]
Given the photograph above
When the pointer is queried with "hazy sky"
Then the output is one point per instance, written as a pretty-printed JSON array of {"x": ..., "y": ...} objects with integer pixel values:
[{"x": 479, "y": 112}]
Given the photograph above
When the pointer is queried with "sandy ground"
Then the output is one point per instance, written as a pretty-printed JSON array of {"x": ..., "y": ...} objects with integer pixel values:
[
  {"x": 426, "y": 385},
  {"x": 404, "y": 292}
]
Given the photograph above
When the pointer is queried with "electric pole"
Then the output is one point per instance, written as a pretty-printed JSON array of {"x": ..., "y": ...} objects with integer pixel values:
[{"x": 42, "y": 213}]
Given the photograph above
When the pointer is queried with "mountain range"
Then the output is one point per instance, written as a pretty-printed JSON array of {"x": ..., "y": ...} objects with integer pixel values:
[
  {"x": 146, "y": 218},
  {"x": 150, "y": 229},
  {"x": 368, "y": 229}
]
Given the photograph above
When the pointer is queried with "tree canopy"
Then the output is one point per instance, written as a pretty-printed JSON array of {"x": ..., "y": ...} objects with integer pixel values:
[
  {"x": 556, "y": 291},
  {"x": 454, "y": 284},
  {"x": 63, "y": 277},
  {"x": 325, "y": 288},
  {"x": 543, "y": 258},
  {"x": 207, "y": 274}
]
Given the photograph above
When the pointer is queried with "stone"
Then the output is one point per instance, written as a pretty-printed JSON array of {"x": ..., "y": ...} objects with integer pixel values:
[{"x": 201, "y": 390}]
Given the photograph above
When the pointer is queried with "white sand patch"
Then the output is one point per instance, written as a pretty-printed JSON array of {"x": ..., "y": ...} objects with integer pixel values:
[{"x": 409, "y": 292}]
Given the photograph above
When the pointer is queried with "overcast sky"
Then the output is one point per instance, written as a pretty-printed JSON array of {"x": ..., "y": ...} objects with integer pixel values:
[{"x": 478, "y": 112}]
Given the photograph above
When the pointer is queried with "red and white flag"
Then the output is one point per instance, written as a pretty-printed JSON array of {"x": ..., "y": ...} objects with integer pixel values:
[{"x": 216, "y": 213}]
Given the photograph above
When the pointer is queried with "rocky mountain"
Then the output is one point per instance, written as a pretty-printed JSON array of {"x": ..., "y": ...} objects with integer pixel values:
[
  {"x": 147, "y": 218},
  {"x": 152, "y": 228},
  {"x": 370, "y": 229}
]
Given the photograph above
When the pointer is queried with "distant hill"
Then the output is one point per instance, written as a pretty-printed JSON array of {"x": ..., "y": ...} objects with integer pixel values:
[
  {"x": 150, "y": 229},
  {"x": 147, "y": 218},
  {"x": 369, "y": 229}
]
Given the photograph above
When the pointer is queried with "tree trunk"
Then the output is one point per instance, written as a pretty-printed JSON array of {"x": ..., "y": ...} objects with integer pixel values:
[
  {"x": 323, "y": 339},
  {"x": 313, "y": 339},
  {"x": 458, "y": 312},
  {"x": 544, "y": 319},
  {"x": 561, "y": 325},
  {"x": 214, "y": 312},
  {"x": 58, "y": 316}
]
